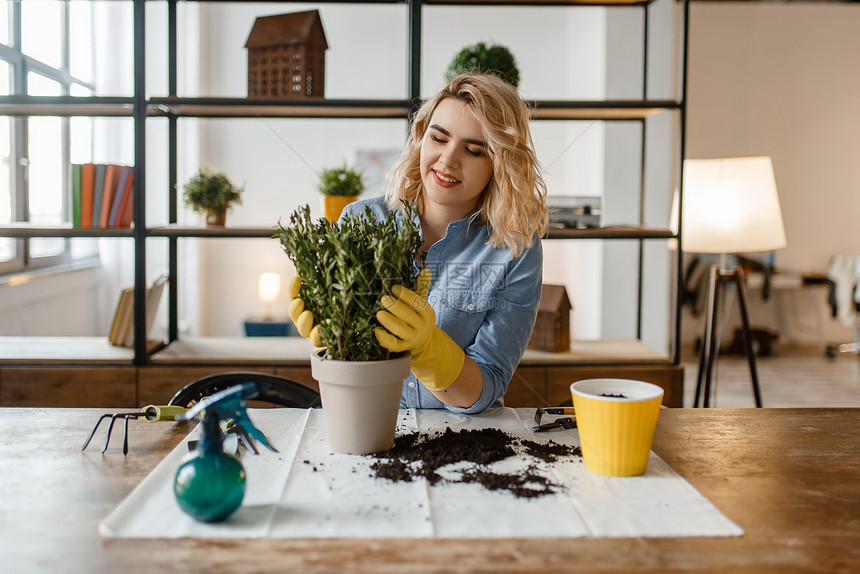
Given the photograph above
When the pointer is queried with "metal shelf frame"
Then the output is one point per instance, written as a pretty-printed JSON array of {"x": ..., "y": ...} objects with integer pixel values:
[{"x": 139, "y": 108}]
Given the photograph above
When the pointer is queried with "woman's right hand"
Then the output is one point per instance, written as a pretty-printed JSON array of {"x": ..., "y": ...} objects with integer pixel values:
[{"x": 302, "y": 318}]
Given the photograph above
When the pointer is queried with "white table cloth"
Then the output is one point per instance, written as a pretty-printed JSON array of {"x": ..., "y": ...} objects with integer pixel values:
[{"x": 306, "y": 491}]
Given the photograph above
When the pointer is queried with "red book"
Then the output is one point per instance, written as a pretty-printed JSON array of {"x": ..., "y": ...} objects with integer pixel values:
[
  {"x": 88, "y": 176},
  {"x": 115, "y": 211},
  {"x": 111, "y": 172},
  {"x": 126, "y": 208}
]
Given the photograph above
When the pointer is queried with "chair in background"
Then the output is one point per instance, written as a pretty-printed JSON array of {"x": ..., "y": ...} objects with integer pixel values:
[
  {"x": 844, "y": 271},
  {"x": 282, "y": 392}
]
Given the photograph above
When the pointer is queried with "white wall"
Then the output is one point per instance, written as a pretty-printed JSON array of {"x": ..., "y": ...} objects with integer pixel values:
[
  {"x": 63, "y": 303},
  {"x": 782, "y": 80}
]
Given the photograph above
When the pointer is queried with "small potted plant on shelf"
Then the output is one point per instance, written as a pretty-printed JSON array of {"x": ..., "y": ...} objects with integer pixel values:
[
  {"x": 493, "y": 59},
  {"x": 339, "y": 186},
  {"x": 211, "y": 193},
  {"x": 345, "y": 268}
]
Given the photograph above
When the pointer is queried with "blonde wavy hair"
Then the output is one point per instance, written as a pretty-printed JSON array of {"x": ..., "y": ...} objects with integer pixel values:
[{"x": 514, "y": 202}]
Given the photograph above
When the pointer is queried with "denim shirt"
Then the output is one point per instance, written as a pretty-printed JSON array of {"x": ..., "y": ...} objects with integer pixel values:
[{"x": 484, "y": 300}]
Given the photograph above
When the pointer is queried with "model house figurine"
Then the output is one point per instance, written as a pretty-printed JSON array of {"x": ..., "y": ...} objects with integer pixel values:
[
  {"x": 286, "y": 56},
  {"x": 552, "y": 325}
]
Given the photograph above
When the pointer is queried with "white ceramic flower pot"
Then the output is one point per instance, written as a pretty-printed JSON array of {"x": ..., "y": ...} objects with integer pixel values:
[{"x": 360, "y": 400}]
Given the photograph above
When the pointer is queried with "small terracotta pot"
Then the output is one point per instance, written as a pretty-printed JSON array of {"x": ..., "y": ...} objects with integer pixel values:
[
  {"x": 216, "y": 218},
  {"x": 360, "y": 400},
  {"x": 333, "y": 205}
]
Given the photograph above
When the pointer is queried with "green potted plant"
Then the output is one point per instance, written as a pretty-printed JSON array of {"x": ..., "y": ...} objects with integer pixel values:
[
  {"x": 346, "y": 267},
  {"x": 211, "y": 193},
  {"x": 339, "y": 186},
  {"x": 493, "y": 59}
]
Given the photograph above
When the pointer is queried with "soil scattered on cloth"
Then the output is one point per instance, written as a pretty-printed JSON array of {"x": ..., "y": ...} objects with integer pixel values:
[
  {"x": 530, "y": 484},
  {"x": 416, "y": 455}
]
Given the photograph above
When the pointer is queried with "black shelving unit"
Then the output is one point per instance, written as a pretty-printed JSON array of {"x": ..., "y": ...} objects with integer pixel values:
[{"x": 174, "y": 107}]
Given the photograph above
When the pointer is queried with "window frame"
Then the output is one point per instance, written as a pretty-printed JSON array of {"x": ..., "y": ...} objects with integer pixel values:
[{"x": 20, "y": 67}]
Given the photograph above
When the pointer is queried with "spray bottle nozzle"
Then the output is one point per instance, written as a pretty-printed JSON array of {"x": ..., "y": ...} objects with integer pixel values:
[{"x": 230, "y": 403}]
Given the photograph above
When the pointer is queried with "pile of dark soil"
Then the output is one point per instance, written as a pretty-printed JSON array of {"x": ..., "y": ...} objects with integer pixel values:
[{"x": 417, "y": 455}]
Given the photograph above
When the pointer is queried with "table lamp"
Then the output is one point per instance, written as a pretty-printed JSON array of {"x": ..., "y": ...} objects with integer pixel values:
[
  {"x": 730, "y": 206},
  {"x": 268, "y": 290}
]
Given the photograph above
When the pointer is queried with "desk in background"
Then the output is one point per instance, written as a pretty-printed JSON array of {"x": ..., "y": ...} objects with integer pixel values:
[{"x": 783, "y": 289}]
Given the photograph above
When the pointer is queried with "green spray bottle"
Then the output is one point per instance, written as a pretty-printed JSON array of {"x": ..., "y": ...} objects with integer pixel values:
[{"x": 210, "y": 484}]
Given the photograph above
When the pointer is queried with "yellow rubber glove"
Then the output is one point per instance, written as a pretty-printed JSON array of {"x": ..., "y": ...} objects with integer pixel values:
[
  {"x": 302, "y": 318},
  {"x": 410, "y": 325}
]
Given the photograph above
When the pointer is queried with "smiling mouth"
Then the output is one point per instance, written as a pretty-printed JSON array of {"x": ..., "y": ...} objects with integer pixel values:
[{"x": 445, "y": 178}]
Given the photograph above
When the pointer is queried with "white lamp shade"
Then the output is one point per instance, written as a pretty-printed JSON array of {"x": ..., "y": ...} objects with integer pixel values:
[
  {"x": 730, "y": 206},
  {"x": 269, "y": 287}
]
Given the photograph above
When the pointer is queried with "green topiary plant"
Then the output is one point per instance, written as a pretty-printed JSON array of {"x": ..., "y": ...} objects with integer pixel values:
[
  {"x": 341, "y": 181},
  {"x": 345, "y": 268},
  {"x": 494, "y": 59},
  {"x": 211, "y": 193}
]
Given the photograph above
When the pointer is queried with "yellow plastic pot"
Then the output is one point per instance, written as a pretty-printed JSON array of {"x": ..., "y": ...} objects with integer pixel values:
[{"x": 616, "y": 419}]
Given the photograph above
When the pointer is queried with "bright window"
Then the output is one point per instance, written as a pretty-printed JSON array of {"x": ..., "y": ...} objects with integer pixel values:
[{"x": 39, "y": 56}]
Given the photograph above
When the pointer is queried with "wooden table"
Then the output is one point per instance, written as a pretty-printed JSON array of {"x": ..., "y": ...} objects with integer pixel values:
[{"x": 789, "y": 477}]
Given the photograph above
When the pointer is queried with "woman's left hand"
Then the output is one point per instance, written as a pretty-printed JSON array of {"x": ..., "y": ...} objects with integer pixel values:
[{"x": 410, "y": 325}]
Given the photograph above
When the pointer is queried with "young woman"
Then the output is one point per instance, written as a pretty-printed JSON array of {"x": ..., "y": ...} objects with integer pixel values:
[{"x": 471, "y": 169}]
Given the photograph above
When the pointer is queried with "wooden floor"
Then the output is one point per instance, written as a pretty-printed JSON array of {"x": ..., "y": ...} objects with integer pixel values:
[{"x": 796, "y": 377}]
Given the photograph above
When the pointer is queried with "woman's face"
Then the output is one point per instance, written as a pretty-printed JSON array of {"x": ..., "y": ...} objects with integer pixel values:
[{"x": 455, "y": 166}]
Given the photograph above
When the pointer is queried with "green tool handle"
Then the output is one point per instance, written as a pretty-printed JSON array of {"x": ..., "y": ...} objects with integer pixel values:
[{"x": 162, "y": 413}]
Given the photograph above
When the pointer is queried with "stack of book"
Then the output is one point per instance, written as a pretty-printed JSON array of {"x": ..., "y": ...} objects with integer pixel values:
[
  {"x": 102, "y": 195},
  {"x": 122, "y": 328}
]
